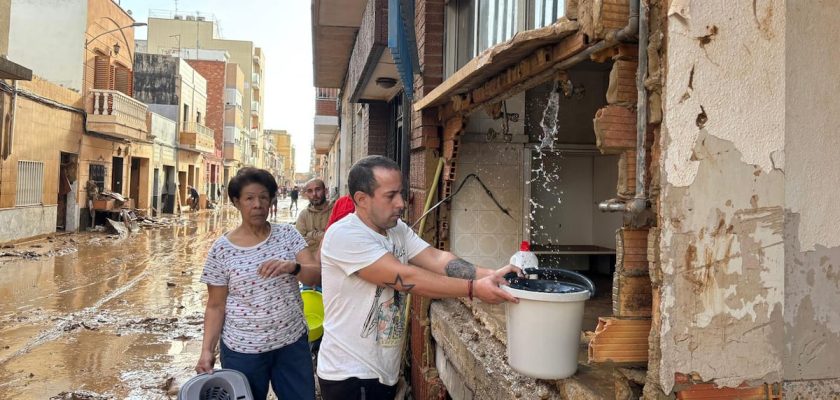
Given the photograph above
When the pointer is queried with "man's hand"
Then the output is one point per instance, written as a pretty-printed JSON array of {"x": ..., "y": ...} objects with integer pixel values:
[
  {"x": 205, "y": 362},
  {"x": 272, "y": 268},
  {"x": 487, "y": 289}
]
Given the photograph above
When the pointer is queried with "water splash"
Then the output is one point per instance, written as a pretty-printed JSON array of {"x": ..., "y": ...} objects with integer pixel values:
[{"x": 547, "y": 175}]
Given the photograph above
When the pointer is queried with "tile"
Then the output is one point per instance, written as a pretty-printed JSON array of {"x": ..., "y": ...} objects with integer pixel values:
[
  {"x": 487, "y": 245},
  {"x": 465, "y": 245},
  {"x": 488, "y": 222}
]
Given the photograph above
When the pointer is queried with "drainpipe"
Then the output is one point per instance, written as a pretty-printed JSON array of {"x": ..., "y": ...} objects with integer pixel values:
[
  {"x": 639, "y": 202},
  {"x": 12, "y": 122}
]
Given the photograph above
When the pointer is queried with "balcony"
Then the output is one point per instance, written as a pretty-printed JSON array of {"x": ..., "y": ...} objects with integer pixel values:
[
  {"x": 255, "y": 108},
  {"x": 255, "y": 80},
  {"x": 195, "y": 136},
  {"x": 254, "y": 135},
  {"x": 115, "y": 114},
  {"x": 233, "y": 152}
]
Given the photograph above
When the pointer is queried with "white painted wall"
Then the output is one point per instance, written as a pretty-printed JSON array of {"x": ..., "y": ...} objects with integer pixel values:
[
  {"x": 722, "y": 200},
  {"x": 48, "y": 37}
]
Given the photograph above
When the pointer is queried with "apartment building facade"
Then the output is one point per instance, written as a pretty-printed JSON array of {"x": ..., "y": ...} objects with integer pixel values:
[
  {"x": 170, "y": 33},
  {"x": 85, "y": 49}
]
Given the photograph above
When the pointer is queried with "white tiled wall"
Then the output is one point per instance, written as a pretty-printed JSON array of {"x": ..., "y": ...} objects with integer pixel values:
[{"x": 480, "y": 232}]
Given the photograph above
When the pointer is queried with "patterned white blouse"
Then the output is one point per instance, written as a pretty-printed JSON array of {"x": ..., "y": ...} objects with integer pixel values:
[{"x": 261, "y": 314}]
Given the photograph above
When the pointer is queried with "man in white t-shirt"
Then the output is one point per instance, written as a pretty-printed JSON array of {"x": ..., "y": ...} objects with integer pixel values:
[{"x": 370, "y": 261}]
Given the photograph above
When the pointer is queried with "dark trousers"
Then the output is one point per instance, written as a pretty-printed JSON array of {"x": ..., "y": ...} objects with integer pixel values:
[
  {"x": 289, "y": 369},
  {"x": 356, "y": 389}
]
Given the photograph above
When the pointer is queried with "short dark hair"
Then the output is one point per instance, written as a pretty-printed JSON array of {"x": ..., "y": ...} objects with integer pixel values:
[
  {"x": 247, "y": 176},
  {"x": 361, "y": 179}
]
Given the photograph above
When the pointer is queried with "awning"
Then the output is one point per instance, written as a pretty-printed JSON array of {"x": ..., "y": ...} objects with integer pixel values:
[
  {"x": 402, "y": 42},
  {"x": 504, "y": 65}
]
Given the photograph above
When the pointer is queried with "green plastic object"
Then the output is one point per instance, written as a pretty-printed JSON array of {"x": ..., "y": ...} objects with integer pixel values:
[{"x": 313, "y": 311}]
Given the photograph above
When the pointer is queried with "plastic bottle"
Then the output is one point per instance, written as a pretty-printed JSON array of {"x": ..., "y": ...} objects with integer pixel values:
[{"x": 524, "y": 258}]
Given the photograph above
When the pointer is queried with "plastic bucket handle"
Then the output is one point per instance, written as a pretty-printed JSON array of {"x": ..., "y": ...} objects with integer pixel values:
[{"x": 558, "y": 274}]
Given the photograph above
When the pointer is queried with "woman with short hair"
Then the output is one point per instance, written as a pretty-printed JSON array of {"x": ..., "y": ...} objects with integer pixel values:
[{"x": 254, "y": 304}]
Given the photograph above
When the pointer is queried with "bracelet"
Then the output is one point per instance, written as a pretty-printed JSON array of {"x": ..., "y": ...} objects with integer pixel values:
[
  {"x": 297, "y": 269},
  {"x": 470, "y": 289}
]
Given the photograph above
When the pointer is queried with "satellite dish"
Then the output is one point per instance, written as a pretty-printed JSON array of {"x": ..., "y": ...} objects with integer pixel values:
[{"x": 129, "y": 12}]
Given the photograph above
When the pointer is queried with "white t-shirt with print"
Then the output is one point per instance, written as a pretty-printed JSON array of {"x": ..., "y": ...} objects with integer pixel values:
[
  {"x": 260, "y": 314},
  {"x": 364, "y": 324}
]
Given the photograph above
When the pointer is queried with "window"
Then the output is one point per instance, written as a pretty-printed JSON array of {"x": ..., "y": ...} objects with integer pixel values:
[
  {"x": 545, "y": 12},
  {"x": 96, "y": 173},
  {"x": 495, "y": 22},
  {"x": 102, "y": 77},
  {"x": 472, "y": 26},
  {"x": 123, "y": 79},
  {"x": 198, "y": 117},
  {"x": 30, "y": 183}
]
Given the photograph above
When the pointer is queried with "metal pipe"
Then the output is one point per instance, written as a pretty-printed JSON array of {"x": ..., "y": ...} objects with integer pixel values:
[
  {"x": 612, "y": 205},
  {"x": 12, "y": 121}
]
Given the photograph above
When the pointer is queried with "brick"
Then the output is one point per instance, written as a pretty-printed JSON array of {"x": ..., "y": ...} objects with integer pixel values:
[
  {"x": 708, "y": 391},
  {"x": 620, "y": 340},
  {"x": 615, "y": 129},
  {"x": 622, "y": 84},
  {"x": 632, "y": 295}
]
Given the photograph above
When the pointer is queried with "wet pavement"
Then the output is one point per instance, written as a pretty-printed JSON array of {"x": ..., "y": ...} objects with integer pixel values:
[{"x": 89, "y": 314}]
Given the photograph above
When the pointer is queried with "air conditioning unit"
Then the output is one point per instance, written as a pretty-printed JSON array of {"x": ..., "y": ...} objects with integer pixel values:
[
  {"x": 178, "y": 17},
  {"x": 190, "y": 18},
  {"x": 200, "y": 18}
]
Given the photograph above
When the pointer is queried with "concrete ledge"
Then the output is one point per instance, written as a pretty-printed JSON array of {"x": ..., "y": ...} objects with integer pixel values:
[
  {"x": 475, "y": 365},
  {"x": 13, "y": 71}
]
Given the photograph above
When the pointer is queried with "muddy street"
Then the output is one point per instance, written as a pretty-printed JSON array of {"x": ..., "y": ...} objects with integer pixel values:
[{"x": 112, "y": 317}]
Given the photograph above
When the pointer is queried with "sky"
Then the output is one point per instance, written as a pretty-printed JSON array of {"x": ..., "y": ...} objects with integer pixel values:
[{"x": 283, "y": 30}]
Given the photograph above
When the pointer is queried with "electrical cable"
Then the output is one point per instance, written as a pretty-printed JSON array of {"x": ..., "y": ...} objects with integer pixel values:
[{"x": 504, "y": 210}]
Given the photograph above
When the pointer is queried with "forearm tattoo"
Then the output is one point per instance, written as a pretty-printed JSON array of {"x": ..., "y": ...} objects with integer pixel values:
[
  {"x": 399, "y": 285},
  {"x": 460, "y": 268}
]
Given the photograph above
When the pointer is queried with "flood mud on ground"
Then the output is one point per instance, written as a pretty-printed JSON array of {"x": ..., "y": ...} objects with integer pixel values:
[{"x": 95, "y": 316}]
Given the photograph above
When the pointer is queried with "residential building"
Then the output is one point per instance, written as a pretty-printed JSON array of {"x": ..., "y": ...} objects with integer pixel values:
[
  {"x": 87, "y": 47},
  {"x": 173, "y": 89},
  {"x": 285, "y": 152},
  {"x": 237, "y": 138},
  {"x": 165, "y": 163},
  {"x": 170, "y": 32},
  {"x": 326, "y": 140},
  {"x": 714, "y": 258},
  {"x": 212, "y": 65}
]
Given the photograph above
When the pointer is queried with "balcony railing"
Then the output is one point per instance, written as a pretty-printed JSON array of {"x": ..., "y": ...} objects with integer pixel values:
[
  {"x": 116, "y": 114},
  {"x": 255, "y": 80},
  {"x": 326, "y": 93},
  {"x": 197, "y": 137}
]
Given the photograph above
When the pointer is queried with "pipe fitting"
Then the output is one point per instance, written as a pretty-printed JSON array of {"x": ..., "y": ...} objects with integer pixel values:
[{"x": 613, "y": 205}]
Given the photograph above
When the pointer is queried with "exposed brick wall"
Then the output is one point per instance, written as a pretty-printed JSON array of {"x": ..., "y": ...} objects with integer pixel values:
[
  {"x": 425, "y": 143},
  {"x": 326, "y": 107},
  {"x": 214, "y": 73},
  {"x": 377, "y": 132}
]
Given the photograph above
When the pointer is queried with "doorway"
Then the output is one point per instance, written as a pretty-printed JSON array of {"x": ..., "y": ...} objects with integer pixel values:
[
  {"x": 117, "y": 174},
  {"x": 66, "y": 176},
  {"x": 134, "y": 181},
  {"x": 156, "y": 191}
]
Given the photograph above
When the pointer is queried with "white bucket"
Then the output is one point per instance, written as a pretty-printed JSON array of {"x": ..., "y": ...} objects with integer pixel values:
[{"x": 543, "y": 331}]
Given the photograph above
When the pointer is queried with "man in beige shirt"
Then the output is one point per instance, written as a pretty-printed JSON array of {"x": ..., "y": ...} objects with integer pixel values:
[{"x": 312, "y": 221}]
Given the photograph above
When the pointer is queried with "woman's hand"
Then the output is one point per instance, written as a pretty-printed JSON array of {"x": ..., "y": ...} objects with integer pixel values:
[
  {"x": 272, "y": 268},
  {"x": 206, "y": 362}
]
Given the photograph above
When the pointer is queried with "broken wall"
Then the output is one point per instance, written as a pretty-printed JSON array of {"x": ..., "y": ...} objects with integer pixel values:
[
  {"x": 480, "y": 232},
  {"x": 722, "y": 200},
  {"x": 812, "y": 235}
]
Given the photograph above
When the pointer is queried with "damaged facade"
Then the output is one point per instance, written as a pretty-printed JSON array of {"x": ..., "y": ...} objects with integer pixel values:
[{"x": 718, "y": 257}]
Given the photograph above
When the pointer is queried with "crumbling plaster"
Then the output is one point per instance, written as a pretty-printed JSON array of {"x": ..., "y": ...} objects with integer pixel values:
[
  {"x": 750, "y": 247},
  {"x": 722, "y": 199}
]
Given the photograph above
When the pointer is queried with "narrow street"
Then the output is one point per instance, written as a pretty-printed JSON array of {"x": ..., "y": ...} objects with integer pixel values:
[{"x": 107, "y": 317}]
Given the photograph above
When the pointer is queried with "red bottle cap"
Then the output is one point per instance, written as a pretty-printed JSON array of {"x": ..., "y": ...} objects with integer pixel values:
[{"x": 524, "y": 246}]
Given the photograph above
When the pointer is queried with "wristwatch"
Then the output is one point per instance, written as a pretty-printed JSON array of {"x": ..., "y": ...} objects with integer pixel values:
[{"x": 297, "y": 269}]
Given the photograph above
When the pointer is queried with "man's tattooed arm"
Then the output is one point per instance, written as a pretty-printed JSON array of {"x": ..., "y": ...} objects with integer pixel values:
[
  {"x": 460, "y": 268},
  {"x": 399, "y": 285}
]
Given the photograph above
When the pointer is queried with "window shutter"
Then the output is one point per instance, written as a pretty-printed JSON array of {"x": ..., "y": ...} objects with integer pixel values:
[
  {"x": 101, "y": 72},
  {"x": 122, "y": 79},
  {"x": 111, "y": 74}
]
